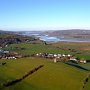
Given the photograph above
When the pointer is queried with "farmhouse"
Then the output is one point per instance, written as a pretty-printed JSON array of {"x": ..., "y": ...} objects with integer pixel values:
[
  {"x": 83, "y": 61},
  {"x": 9, "y": 55},
  {"x": 73, "y": 58}
]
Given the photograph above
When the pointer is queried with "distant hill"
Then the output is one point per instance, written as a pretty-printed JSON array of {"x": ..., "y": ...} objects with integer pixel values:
[
  {"x": 79, "y": 35},
  {"x": 57, "y": 32},
  {"x": 64, "y": 35},
  {"x": 68, "y": 32},
  {"x": 7, "y": 37}
]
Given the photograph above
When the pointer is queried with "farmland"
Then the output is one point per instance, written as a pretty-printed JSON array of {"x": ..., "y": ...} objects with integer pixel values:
[
  {"x": 52, "y": 76},
  {"x": 80, "y": 50},
  {"x": 27, "y": 48}
]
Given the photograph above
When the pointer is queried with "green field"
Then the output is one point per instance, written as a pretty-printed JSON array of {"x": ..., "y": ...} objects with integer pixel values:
[
  {"x": 79, "y": 49},
  {"x": 76, "y": 49},
  {"x": 53, "y": 76},
  {"x": 28, "y": 49}
]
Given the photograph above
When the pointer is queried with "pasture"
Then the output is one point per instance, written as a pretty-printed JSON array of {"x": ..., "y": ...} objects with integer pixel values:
[
  {"x": 53, "y": 76},
  {"x": 79, "y": 49},
  {"x": 76, "y": 49},
  {"x": 28, "y": 48}
]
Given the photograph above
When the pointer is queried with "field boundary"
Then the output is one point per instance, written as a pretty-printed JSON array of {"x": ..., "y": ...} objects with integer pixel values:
[
  {"x": 10, "y": 83},
  {"x": 85, "y": 81}
]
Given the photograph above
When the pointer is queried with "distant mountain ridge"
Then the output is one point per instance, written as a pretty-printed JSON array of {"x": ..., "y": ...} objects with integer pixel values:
[
  {"x": 64, "y": 35},
  {"x": 68, "y": 32},
  {"x": 53, "y": 32}
]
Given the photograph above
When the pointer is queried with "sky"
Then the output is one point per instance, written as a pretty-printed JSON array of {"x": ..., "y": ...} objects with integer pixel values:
[{"x": 44, "y": 14}]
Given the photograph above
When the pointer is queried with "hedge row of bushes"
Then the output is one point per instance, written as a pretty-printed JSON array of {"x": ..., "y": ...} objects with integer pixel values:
[
  {"x": 85, "y": 81},
  {"x": 3, "y": 63},
  {"x": 9, "y": 83}
]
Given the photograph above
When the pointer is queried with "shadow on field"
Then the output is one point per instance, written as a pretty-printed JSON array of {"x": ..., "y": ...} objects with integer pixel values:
[
  {"x": 77, "y": 66},
  {"x": 9, "y": 83},
  {"x": 88, "y": 61}
]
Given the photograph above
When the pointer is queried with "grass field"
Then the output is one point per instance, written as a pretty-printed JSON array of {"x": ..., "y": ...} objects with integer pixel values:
[
  {"x": 27, "y": 48},
  {"x": 53, "y": 76},
  {"x": 77, "y": 49}
]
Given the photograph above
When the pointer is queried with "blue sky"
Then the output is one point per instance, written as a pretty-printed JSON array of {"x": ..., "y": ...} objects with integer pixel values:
[{"x": 44, "y": 14}]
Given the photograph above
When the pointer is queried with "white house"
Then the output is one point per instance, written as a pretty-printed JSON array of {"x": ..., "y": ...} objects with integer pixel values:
[
  {"x": 63, "y": 55},
  {"x": 83, "y": 61},
  {"x": 69, "y": 55},
  {"x": 55, "y": 55},
  {"x": 73, "y": 58}
]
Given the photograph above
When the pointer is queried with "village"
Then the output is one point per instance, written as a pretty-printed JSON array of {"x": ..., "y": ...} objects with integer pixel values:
[
  {"x": 61, "y": 57},
  {"x": 9, "y": 55},
  {"x": 54, "y": 57}
]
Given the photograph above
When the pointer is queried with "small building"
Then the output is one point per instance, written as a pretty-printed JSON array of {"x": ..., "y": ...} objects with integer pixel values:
[
  {"x": 73, "y": 59},
  {"x": 37, "y": 54},
  {"x": 59, "y": 55},
  {"x": 55, "y": 55},
  {"x": 1, "y": 51},
  {"x": 5, "y": 52},
  {"x": 63, "y": 55},
  {"x": 55, "y": 60},
  {"x": 69, "y": 55},
  {"x": 83, "y": 61}
]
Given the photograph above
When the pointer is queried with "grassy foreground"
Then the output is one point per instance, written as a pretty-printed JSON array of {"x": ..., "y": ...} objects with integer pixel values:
[{"x": 53, "y": 76}]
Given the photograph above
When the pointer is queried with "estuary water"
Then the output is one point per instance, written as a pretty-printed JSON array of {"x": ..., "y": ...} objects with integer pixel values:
[
  {"x": 48, "y": 38},
  {"x": 60, "y": 39}
]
